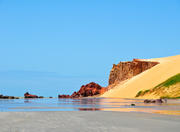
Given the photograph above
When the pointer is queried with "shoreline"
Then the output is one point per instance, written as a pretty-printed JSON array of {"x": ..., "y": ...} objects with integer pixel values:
[
  {"x": 87, "y": 121},
  {"x": 170, "y": 107}
]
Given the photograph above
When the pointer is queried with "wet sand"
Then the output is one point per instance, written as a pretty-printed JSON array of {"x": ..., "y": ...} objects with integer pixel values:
[{"x": 87, "y": 121}]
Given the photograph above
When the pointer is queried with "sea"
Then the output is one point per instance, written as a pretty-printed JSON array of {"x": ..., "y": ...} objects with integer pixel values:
[{"x": 172, "y": 106}]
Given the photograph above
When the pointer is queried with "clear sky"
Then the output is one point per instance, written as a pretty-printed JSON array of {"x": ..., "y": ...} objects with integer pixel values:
[{"x": 55, "y": 46}]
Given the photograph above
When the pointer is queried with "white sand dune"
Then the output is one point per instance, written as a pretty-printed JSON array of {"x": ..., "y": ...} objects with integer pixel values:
[{"x": 167, "y": 67}]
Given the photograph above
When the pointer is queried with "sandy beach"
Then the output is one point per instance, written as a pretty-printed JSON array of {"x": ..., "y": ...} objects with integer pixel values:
[{"x": 87, "y": 121}]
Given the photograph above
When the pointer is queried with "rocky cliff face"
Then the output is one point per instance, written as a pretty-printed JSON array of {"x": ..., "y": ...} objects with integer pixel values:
[{"x": 126, "y": 70}]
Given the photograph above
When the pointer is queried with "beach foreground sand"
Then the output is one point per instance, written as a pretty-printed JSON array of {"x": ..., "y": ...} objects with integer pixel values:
[{"x": 87, "y": 121}]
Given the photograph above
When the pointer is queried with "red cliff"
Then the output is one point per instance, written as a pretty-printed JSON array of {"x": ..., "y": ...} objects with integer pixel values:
[{"x": 126, "y": 70}]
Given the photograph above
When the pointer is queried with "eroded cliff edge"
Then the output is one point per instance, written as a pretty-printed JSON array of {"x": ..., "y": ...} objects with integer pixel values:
[{"x": 129, "y": 69}]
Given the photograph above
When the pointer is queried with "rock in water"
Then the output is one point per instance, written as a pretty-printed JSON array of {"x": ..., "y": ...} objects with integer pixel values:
[
  {"x": 90, "y": 89},
  {"x": 153, "y": 101},
  {"x": 27, "y": 95}
]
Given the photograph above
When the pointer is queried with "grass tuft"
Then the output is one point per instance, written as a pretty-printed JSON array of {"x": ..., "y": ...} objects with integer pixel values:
[
  {"x": 168, "y": 97},
  {"x": 139, "y": 93},
  {"x": 171, "y": 81}
]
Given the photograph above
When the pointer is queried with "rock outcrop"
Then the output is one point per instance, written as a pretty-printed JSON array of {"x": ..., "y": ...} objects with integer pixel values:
[
  {"x": 155, "y": 101},
  {"x": 27, "y": 95},
  {"x": 8, "y": 97},
  {"x": 126, "y": 70},
  {"x": 90, "y": 89}
]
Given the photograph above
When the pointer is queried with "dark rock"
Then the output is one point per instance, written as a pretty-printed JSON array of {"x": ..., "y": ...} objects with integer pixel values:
[
  {"x": 133, "y": 105},
  {"x": 11, "y": 97},
  {"x": 147, "y": 101},
  {"x": 153, "y": 101},
  {"x": 7, "y": 97},
  {"x": 159, "y": 101},
  {"x": 89, "y": 109}
]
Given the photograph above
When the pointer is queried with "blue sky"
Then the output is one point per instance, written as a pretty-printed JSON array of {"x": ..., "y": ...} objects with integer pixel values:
[{"x": 55, "y": 46}]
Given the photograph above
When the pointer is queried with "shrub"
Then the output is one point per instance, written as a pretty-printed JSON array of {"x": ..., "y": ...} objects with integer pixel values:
[{"x": 139, "y": 93}]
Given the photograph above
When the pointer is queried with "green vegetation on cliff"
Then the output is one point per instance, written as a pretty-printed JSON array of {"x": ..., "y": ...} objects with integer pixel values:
[
  {"x": 171, "y": 81},
  {"x": 167, "y": 89}
]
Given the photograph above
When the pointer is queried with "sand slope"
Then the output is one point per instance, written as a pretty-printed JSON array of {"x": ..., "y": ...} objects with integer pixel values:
[{"x": 167, "y": 68}]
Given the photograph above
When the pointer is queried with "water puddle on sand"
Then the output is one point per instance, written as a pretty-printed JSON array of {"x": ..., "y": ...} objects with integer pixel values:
[{"x": 172, "y": 107}]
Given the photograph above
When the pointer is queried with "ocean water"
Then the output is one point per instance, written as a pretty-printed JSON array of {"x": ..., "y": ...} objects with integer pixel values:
[{"x": 89, "y": 104}]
